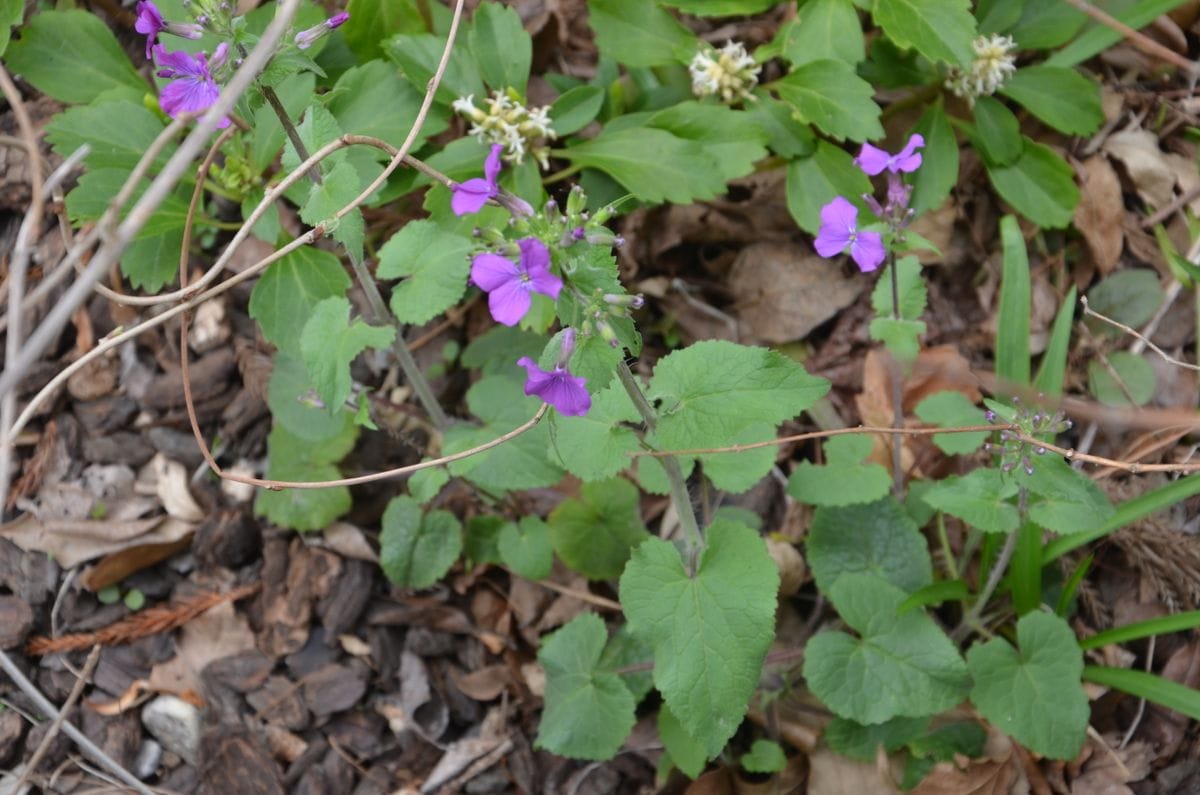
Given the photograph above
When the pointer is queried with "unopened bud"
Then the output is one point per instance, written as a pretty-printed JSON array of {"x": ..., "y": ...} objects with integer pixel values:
[
  {"x": 306, "y": 38},
  {"x": 567, "y": 347},
  {"x": 607, "y": 334},
  {"x": 576, "y": 201},
  {"x": 629, "y": 301},
  {"x": 514, "y": 204}
]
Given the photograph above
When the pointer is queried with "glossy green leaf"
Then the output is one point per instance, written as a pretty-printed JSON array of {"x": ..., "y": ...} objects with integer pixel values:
[
  {"x": 433, "y": 265},
  {"x": 639, "y": 33},
  {"x": 686, "y": 753},
  {"x": 997, "y": 132},
  {"x": 764, "y": 756},
  {"x": 1141, "y": 684},
  {"x": 373, "y": 99},
  {"x": 824, "y": 29},
  {"x": 941, "y": 30},
  {"x": 813, "y": 181},
  {"x": 575, "y": 109},
  {"x": 1163, "y": 625},
  {"x": 1039, "y": 184},
  {"x": 1053, "y": 369},
  {"x": 857, "y": 741},
  {"x": 372, "y": 22},
  {"x": 786, "y": 135},
  {"x": 1012, "y": 322},
  {"x": 118, "y": 133},
  {"x": 938, "y": 173},
  {"x": 720, "y": 8},
  {"x": 419, "y": 55},
  {"x": 501, "y": 47},
  {"x": 652, "y": 164}
]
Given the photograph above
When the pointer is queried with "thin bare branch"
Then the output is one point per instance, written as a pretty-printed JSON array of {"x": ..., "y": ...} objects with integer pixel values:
[
  {"x": 76, "y": 691},
  {"x": 1087, "y": 310}
]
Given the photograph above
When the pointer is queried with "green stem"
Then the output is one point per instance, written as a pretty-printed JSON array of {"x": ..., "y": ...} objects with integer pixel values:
[
  {"x": 289, "y": 129},
  {"x": 693, "y": 541},
  {"x": 947, "y": 553},
  {"x": 379, "y": 316},
  {"x": 559, "y": 176},
  {"x": 897, "y": 390}
]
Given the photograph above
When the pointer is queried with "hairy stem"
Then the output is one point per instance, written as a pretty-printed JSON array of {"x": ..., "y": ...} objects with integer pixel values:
[
  {"x": 379, "y": 316},
  {"x": 693, "y": 541},
  {"x": 289, "y": 129},
  {"x": 897, "y": 389}
]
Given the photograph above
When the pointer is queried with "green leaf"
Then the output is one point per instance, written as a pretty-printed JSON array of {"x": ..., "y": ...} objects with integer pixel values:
[
  {"x": 373, "y": 21},
  {"x": 1141, "y": 684},
  {"x": 830, "y": 95},
  {"x": 151, "y": 261},
  {"x": 899, "y": 666},
  {"x": 949, "y": 409},
  {"x": 997, "y": 132},
  {"x": 1130, "y": 296},
  {"x": 626, "y": 649},
  {"x": 1063, "y": 98},
  {"x": 330, "y": 342},
  {"x": 284, "y": 298},
  {"x": 297, "y": 459},
  {"x": 1046, "y": 25},
  {"x": 786, "y": 135},
  {"x": 597, "y": 445},
  {"x": 710, "y": 631},
  {"x": 589, "y": 710},
  {"x": 845, "y": 479},
  {"x": 731, "y": 137},
  {"x": 720, "y": 8},
  {"x": 290, "y": 398},
  {"x": 419, "y": 55},
  {"x": 639, "y": 33},
  {"x": 576, "y": 108},
  {"x": 652, "y": 164},
  {"x": 737, "y": 472},
  {"x": 525, "y": 548},
  {"x": 712, "y": 390},
  {"x": 593, "y": 358},
  {"x": 878, "y": 539},
  {"x": 980, "y": 499},
  {"x": 686, "y": 753},
  {"x": 764, "y": 756},
  {"x": 1040, "y": 185},
  {"x": 1053, "y": 369},
  {"x": 813, "y": 181},
  {"x": 11, "y": 14},
  {"x": 501, "y": 47},
  {"x": 944, "y": 742},
  {"x": 416, "y": 550},
  {"x": 901, "y": 337},
  {"x": 340, "y": 186},
  {"x": 595, "y": 533},
  {"x": 72, "y": 56},
  {"x": 910, "y": 288},
  {"x": 1012, "y": 322},
  {"x": 425, "y": 484},
  {"x": 373, "y": 99},
  {"x": 483, "y": 540},
  {"x": 295, "y": 93},
  {"x": 996, "y": 16},
  {"x": 824, "y": 29},
  {"x": 118, "y": 131},
  {"x": 1133, "y": 379},
  {"x": 1033, "y": 693},
  {"x": 1178, "y": 622},
  {"x": 1099, "y": 37},
  {"x": 436, "y": 265},
  {"x": 853, "y": 739},
  {"x": 521, "y": 463},
  {"x": 941, "y": 30},
  {"x": 938, "y": 173},
  {"x": 1070, "y": 501}
]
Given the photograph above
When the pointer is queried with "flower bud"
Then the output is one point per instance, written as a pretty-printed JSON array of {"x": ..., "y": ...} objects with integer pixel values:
[
  {"x": 607, "y": 334},
  {"x": 307, "y": 38},
  {"x": 567, "y": 348},
  {"x": 628, "y": 301},
  {"x": 514, "y": 204},
  {"x": 576, "y": 201}
]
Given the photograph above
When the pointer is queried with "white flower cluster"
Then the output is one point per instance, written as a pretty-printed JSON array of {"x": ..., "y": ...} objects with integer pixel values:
[
  {"x": 729, "y": 73},
  {"x": 506, "y": 121},
  {"x": 993, "y": 64}
]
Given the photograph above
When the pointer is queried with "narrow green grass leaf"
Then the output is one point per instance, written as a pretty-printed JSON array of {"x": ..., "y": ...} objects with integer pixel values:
[
  {"x": 1143, "y": 629},
  {"x": 1171, "y": 695},
  {"x": 1053, "y": 369},
  {"x": 1012, "y": 326}
]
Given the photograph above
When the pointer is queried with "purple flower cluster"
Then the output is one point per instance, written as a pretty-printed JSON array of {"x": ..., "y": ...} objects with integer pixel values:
[
  {"x": 510, "y": 286},
  {"x": 839, "y": 218}
]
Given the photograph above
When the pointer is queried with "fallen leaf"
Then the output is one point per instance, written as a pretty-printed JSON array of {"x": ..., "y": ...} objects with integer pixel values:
[
  {"x": 830, "y": 773},
  {"x": 484, "y": 684},
  {"x": 219, "y": 632},
  {"x": 75, "y": 541},
  {"x": 1146, "y": 164},
  {"x": 171, "y": 486},
  {"x": 1100, "y": 211}
]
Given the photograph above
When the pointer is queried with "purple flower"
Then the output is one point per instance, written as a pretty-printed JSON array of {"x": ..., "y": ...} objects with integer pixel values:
[
  {"x": 470, "y": 196},
  {"x": 560, "y": 389},
  {"x": 509, "y": 285},
  {"x": 873, "y": 160},
  {"x": 150, "y": 23},
  {"x": 306, "y": 38},
  {"x": 193, "y": 89},
  {"x": 839, "y": 229}
]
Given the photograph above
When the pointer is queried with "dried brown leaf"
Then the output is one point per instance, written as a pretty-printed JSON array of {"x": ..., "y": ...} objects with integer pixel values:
[{"x": 1100, "y": 211}]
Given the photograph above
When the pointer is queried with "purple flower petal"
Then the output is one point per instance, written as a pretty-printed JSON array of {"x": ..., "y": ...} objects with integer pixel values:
[
  {"x": 509, "y": 302},
  {"x": 188, "y": 95},
  {"x": 535, "y": 259},
  {"x": 907, "y": 160},
  {"x": 149, "y": 23},
  {"x": 867, "y": 251},
  {"x": 565, "y": 392},
  {"x": 490, "y": 271},
  {"x": 872, "y": 160},
  {"x": 491, "y": 166},
  {"x": 180, "y": 63},
  {"x": 470, "y": 196},
  {"x": 839, "y": 219}
]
